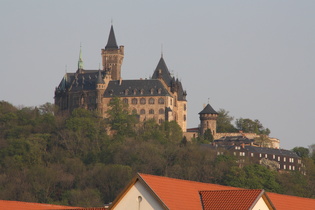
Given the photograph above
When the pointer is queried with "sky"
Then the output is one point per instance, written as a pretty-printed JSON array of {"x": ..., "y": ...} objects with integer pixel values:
[{"x": 252, "y": 58}]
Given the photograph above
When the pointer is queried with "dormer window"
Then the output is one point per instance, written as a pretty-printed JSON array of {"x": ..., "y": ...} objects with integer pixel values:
[
  {"x": 141, "y": 91},
  {"x": 151, "y": 90},
  {"x": 126, "y": 92},
  {"x": 135, "y": 91},
  {"x": 159, "y": 91}
]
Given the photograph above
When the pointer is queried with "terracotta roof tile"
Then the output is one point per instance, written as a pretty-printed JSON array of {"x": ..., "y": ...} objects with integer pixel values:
[
  {"x": 179, "y": 194},
  {"x": 9, "y": 205},
  {"x": 183, "y": 194},
  {"x": 229, "y": 199},
  {"x": 286, "y": 202}
]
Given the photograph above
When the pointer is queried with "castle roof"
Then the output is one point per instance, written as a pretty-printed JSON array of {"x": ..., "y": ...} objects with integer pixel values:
[
  {"x": 111, "y": 43},
  {"x": 208, "y": 110},
  {"x": 136, "y": 88},
  {"x": 162, "y": 71}
]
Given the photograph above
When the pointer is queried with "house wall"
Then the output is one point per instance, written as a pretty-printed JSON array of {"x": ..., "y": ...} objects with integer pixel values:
[
  {"x": 131, "y": 199},
  {"x": 260, "y": 205}
]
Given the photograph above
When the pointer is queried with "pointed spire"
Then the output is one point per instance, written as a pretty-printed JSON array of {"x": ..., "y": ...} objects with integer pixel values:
[
  {"x": 80, "y": 62},
  {"x": 111, "y": 43},
  {"x": 99, "y": 78}
]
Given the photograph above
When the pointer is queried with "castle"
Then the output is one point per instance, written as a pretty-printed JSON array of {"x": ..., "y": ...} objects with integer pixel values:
[{"x": 161, "y": 97}]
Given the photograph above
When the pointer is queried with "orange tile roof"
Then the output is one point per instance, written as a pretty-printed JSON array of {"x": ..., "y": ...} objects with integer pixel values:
[
  {"x": 177, "y": 193},
  {"x": 183, "y": 194},
  {"x": 10, "y": 205},
  {"x": 291, "y": 202},
  {"x": 233, "y": 199}
]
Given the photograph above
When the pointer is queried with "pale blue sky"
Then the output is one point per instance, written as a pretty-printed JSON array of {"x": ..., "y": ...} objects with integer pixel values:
[{"x": 252, "y": 58}]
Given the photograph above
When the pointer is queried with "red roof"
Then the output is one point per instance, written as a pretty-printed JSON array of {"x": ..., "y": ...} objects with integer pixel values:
[
  {"x": 177, "y": 193},
  {"x": 233, "y": 199},
  {"x": 10, "y": 205},
  {"x": 183, "y": 194},
  {"x": 291, "y": 202}
]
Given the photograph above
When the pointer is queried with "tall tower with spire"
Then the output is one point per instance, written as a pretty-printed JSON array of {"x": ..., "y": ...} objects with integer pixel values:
[{"x": 112, "y": 56}]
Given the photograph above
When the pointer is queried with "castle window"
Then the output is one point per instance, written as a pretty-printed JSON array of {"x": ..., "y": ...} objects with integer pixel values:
[
  {"x": 161, "y": 111},
  {"x": 142, "y": 101},
  {"x": 151, "y": 111},
  {"x": 266, "y": 156},
  {"x": 125, "y": 100},
  {"x": 151, "y": 90},
  {"x": 284, "y": 159},
  {"x": 159, "y": 91},
  {"x": 278, "y": 158},
  {"x": 284, "y": 167},
  {"x": 151, "y": 101},
  {"x": 160, "y": 121},
  {"x": 161, "y": 101},
  {"x": 273, "y": 156},
  {"x": 135, "y": 91},
  {"x": 252, "y": 154},
  {"x": 134, "y": 101},
  {"x": 184, "y": 117},
  {"x": 293, "y": 168},
  {"x": 126, "y": 92},
  {"x": 185, "y": 107},
  {"x": 142, "y": 111},
  {"x": 141, "y": 91},
  {"x": 171, "y": 102}
]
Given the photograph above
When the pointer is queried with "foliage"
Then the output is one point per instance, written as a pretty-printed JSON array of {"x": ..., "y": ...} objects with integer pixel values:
[
  {"x": 224, "y": 122},
  {"x": 251, "y": 126},
  {"x": 301, "y": 152},
  {"x": 71, "y": 160}
]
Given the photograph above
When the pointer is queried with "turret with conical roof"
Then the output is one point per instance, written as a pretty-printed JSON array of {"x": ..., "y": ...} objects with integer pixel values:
[
  {"x": 111, "y": 43},
  {"x": 113, "y": 56},
  {"x": 162, "y": 72},
  {"x": 208, "y": 120}
]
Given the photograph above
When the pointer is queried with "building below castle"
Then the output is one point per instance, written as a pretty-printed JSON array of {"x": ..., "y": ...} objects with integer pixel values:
[{"x": 161, "y": 97}]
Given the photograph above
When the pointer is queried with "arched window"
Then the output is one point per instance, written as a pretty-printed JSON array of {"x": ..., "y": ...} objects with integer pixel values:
[
  {"x": 161, "y": 111},
  {"x": 125, "y": 100},
  {"x": 159, "y": 91},
  {"x": 151, "y": 90},
  {"x": 134, "y": 101},
  {"x": 151, "y": 111},
  {"x": 142, "y": 111},
  {"x": 151, "y": 101},
  {"x": 161, "y": 101},
  {"x": 142, "y": 101},
  {"x": 134, "y": 91}
]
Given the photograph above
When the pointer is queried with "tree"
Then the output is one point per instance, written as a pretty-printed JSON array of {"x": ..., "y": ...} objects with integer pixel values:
[
  {"x": 262, "y": 141},
  {"x": 253, "y": 177},
  {"x": 119, "y": 118},
  {"x": 251, "y": 126},
  {"x": 224, "y": 122},
  {"x": 301, "y": 152}
]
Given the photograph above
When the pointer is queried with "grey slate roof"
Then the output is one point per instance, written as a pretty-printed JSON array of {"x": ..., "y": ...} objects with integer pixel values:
[
  {"x": 208, "y": 110},
  {"x": 131, "y": 88},
  {"x": 234, "y": 139},
  {"x": 165, "y": 74},
  {"x": 111, "y": 43},
  {"x": 272, "y": 151}
]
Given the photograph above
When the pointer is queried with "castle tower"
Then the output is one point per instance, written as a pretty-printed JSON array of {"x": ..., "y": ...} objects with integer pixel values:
[
  {"x": 100, "y": 88},
  {"x": 208, "y": 120},
  {"x": 112, "y": 56}
]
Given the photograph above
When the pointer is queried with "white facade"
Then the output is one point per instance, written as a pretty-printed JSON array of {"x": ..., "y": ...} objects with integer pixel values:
[{"x": 139, "y": 198}]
